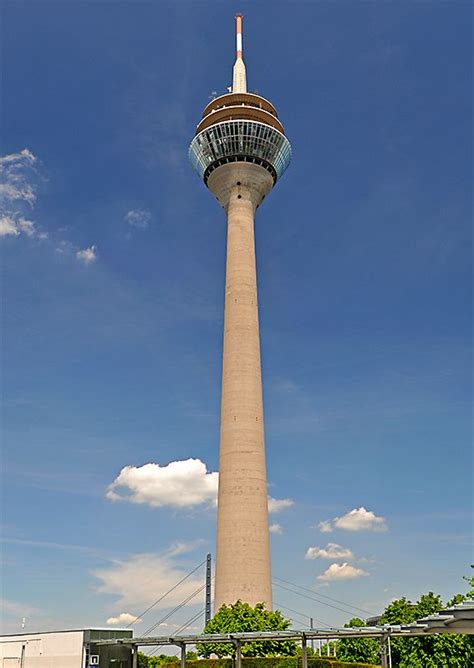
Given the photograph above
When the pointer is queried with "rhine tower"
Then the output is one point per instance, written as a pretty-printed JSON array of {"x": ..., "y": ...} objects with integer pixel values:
[{"x": 240, "y": 151}]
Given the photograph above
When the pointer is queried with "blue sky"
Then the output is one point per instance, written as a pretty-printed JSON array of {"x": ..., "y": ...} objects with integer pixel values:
[{"x": 113, "y": 281}]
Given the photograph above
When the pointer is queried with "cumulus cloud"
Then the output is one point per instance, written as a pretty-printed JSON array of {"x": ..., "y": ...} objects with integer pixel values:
[
  {"x": 339, "y": 572},
  {"x": 140, "y": 579},
  {"x": 87, "y": 255},
  {"x": 276, "y": 505},
  {"x": 276, "y": 528},
  {"x": 358, "y": 519},
  {"x": 124, "y": 618},
  {"x": 138, "y": 218},
  {"x": 179, "y": 484},
  {"x": 331, "y": 551}
]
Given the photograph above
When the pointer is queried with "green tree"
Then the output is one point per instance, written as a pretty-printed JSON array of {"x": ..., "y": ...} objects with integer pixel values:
[
  {"x": 459, "y": 598},
  {"x": 403, "y": 611},
  {"x": 365, "y": 650},
  {"x": 241, "y": 617},
  {"x": 470, "y": 581},
  {"x": 436, "y": 651},
  {"x": 400, "y": 611}
]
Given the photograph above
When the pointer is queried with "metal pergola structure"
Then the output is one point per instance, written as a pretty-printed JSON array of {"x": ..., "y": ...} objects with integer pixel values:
[{"x": 458, "y": 619}]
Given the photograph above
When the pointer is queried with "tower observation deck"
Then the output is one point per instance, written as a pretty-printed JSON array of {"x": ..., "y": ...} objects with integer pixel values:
[{"x": 240, "y": 151}]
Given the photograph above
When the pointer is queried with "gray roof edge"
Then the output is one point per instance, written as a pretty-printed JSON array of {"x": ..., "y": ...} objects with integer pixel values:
[{"x": 80, "y": 630}]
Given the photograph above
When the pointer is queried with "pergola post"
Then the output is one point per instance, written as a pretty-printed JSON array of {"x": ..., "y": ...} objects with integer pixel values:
[
  {"x": 238, "y": 654},
  {"x": 304, "y": 652},
  {"x": 183, "y": 655},
  {"x": 135, "y": 657},
  {"x": 383, "y": 652}
]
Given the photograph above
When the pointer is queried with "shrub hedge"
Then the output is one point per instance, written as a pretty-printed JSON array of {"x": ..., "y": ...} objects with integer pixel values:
[{"x": 277, "y": 662}]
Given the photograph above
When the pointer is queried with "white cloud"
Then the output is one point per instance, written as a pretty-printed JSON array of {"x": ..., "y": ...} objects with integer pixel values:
[
  {"x": 179, "y": 484},
  {"x": 64, "y": 247},
  {"x": 182, "y": 548},
  {"x": 24, "y": 156},
  {"x": 339, "y": 572},
  {"x": 15, "y": 170},
  {"x": 87, "y": 255},
  {"x": 16, "y": 609},
  {"x": 27, "y": 227},
  {"x": 124, "y": 618},
  {"x": 358, "y": 519},
  {"x": 275, "y": 505},
  {"x": 331, "y": 551},
  {"x": 139, "y": 580},
  {"x": 12, "y": 192},
  {"x": 325, "y": 527},
  {"x": 138, "y": 218},
  {"x": 276, "y": 528},
  {"x": 8, "y": 227},
  {"x": 18, "y": 195}
]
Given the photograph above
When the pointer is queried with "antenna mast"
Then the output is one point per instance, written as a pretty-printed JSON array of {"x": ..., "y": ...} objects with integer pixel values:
[{"x": 239, "y": 84}]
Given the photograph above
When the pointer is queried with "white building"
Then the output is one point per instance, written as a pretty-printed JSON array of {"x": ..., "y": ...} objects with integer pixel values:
[{"x": 65, "y": 649}]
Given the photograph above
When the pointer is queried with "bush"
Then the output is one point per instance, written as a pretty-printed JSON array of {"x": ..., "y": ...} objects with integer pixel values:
[{"x": 277, "y": 662}]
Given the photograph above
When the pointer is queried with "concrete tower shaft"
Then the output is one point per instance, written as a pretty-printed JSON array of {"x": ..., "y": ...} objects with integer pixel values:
[
  {"x": 240, "y": 150},
  {"x": 243, "y": 549}
]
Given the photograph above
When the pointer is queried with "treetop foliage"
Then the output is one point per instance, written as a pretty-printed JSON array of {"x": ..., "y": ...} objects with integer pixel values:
[{"x": 241, "y": 617}]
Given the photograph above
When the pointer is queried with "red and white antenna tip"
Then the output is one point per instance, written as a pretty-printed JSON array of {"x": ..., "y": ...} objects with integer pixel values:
[
  {"x": 239, "y": 79},
  {"x": 238, "y": 30}
]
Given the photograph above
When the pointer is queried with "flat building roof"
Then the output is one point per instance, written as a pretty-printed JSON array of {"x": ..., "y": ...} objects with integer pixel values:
[{"x": 124, "y": 632}]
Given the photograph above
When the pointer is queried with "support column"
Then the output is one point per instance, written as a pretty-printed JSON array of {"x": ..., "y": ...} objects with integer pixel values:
[
  {"x": 243, "y": 549},
  {"x": 183, "y": 655},
  {"x": 383, "y": 652},
  {"x": 304, "y": 652},
  {"x": 238, "y": 654}
]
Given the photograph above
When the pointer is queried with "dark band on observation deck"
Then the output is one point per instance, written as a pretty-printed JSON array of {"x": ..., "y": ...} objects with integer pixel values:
[{"x": 240, "y": 158}]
